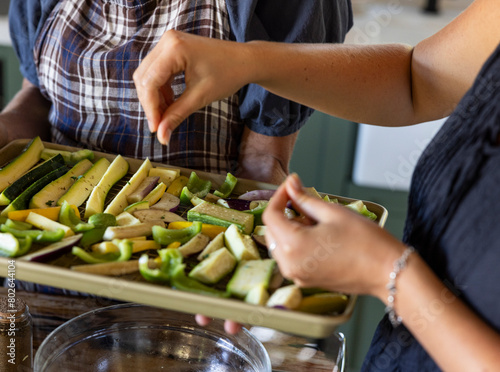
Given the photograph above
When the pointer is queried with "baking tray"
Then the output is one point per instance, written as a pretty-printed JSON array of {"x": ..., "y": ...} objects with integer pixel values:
[{"x": 125, "y": 289}]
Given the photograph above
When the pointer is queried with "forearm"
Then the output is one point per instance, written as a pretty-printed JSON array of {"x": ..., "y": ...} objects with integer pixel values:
[
  {"x": 368, "y": 84},
  {"x": 455, "y": 337},
  {"x": 26, "y": 116},
  {"x": 264, "y": 158}
]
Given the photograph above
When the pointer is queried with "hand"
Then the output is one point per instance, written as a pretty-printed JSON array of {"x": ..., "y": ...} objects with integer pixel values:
[
  {"x": 213, "y": 70},
  {"x": 339, "y": 251},
  {"x": 229, "y": 326}
]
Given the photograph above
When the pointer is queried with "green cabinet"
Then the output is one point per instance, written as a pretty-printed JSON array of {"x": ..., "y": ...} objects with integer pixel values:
[{"x": 11, "y": 78}]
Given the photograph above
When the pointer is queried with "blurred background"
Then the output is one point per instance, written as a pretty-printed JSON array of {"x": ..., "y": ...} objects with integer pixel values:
[{"x": 336, "y": 156}]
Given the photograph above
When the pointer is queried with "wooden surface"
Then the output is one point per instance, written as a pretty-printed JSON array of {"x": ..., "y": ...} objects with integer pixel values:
[{"x": 287, "y": 353}]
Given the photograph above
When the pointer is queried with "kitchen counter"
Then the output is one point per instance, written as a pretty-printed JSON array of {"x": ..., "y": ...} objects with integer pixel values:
[{"x": 287, "y": 353}]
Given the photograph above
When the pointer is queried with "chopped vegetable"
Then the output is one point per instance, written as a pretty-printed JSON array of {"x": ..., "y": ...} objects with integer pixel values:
[
  {"x": 50, "y": 213},
  {"x": 124, "y": 254},
  {"x": 109, "y": 268},
  {"x": 70, "y": 157},
  {"x": 22, "y": 163},
  {"x": 115, "y": 172},
  {"x": 217, "y": 215},
  {"x": 39, "y": 236},
  {"x": 10, "y": 246},
  {"x": 83, "y": 186},
  {"x": 51, "y": 193},
  {"x": 242, "y": 246},
  {"x": 166, "y": 236},
  {"x": 130, "y": 231},
  {"x": 45, "y": 223},
  {"x": 53, "y": 250},
  {"x": 27, "y": 179},
  {"x": 177, "y": 185},
  {"x": 214, "y": 267},
  {"x": 250, "y": 274},
  {"x": 288, "y": 297},
  {"x": 195, "y": 187},
  {"x": 360, "y": 207},
  {"x": 194, "y": 245},
  {"x": 119, "y": 202},
  {"x": 227, "y": 187},
  {"x": 210, "y": 230},
  {"x": 144, "y": 188},
  {"x": 68, "y": 217}
]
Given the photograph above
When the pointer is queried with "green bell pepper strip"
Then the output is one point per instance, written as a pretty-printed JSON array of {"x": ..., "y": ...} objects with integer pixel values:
[
  {"x": 227, "y": 187},
  {"x": 258, "y": 211},
  {"x": 20, "y": 247},
  {"x": 68, "y": 217},
  {"x": 125, "y": 247},
  {"x": 18, "y": 225},
  {"x": 195, "y": 187},
  {"x": 101, "y": 222},
  {"x": 38, "y": 236},
  {"x": 165, "y": 236},
  {"x": 158, "y": 275},
  {"x": 179, "y": 280},
  {"x": 171, "y": 271}
]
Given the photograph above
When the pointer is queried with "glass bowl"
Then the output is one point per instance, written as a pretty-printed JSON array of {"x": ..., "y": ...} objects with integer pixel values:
[{"x": 133, "y": 337}]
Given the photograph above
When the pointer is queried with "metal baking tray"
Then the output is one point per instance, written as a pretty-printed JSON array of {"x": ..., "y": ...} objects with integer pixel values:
[{"x": 126, "y": 289}]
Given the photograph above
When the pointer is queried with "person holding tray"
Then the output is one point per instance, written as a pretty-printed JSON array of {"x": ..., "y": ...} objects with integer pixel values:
[
  {"x": 440, "y": 284},
  {"x": 78, "y": 58}
]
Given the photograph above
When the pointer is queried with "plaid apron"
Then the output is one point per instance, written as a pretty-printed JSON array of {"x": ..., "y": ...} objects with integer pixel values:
[{"x": 86, "y": 55}]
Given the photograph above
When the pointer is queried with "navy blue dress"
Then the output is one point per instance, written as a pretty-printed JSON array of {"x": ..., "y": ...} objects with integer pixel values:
[{"x": 453, "y": 217}]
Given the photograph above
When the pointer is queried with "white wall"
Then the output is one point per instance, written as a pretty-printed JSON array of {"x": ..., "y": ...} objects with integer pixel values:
[{"x": 385, "y": 157}]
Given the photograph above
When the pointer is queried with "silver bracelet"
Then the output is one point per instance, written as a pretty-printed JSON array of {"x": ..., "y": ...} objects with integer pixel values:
[{"x": 399, "y": 265}]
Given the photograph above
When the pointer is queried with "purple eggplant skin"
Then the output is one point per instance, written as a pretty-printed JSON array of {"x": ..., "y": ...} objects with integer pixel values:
[
  {"x": 53, "y": 250},
  {"x": 257, "y": 195},
  {"x": 167, "y": 202},
  {"x": 145, "y": 187},
  {"x": 237, "y": 204}
]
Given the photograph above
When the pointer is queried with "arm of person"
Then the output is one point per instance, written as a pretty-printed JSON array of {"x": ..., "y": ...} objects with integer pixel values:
[
  {"x": 388, "y": 85},
  {"x": 354, "y": 255},
  {"x": 265, "y": 158},
  {"x": 25, "y": 116}
]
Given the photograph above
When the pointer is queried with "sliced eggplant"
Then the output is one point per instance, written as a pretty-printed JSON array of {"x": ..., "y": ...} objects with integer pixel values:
[
  {"x": 168, "y": 202},
  {"x": 53, "y": 250},
  {"x": 144, "y": 188},
  {"x": 157, "y": 214}
]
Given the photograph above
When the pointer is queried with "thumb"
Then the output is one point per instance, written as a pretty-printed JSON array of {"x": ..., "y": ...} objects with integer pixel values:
[{"x": 314, "y": 208}]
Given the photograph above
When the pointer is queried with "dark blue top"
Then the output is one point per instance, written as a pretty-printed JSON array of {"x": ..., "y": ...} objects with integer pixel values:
[
  {"x": 317, "y": 21},
  {"x": 453, "y": 217}
]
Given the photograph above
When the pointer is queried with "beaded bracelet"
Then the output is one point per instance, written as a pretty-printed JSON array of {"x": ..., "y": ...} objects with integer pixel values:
[{"x": 399, "y": 265}]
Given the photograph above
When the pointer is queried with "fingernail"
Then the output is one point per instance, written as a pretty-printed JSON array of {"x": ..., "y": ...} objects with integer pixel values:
[
  {"x": 168, "y": 135},
  {"x": 295, "y": 181}
]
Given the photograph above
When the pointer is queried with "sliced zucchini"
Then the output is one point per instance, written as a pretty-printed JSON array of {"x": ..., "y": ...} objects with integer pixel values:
[
  {"x": 288, "y": 297},
  {"x": 70, "y": 157},
  {"x": 23, "y": 182},
  {"x": 218, "y": 215},
  {"x": 22, "y": 201},
  {"x": 119, "y": 202},
  {"x": 116, "y": 171},
  {"x": 50, "y": 194},
  {"x": 22, "y": 163},
  {"x": 250, "y": 274},
  {"x": 81, "y": 189},
  {"x": 242, "y": 246},
  {"x": 216, "y": 266}
]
